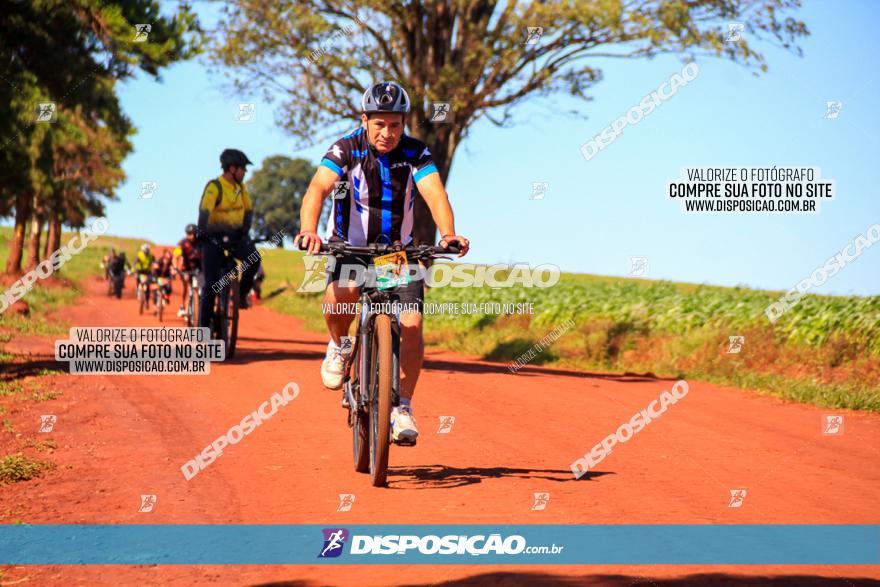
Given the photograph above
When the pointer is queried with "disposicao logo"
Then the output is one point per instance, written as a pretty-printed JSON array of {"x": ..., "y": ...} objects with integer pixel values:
[{"x": 334, "y": 540}]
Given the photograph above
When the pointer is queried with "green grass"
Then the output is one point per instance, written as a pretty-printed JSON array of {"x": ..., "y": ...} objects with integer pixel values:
[
  {"x": 9, "y": 388},
  {"x": 658, "y": 307},
  {"x": 41, "y": 445},
  {"x": 17, "y": 467},
  {"x": 44, "y": 396},
  {"x": 46, "y": 296},
  {"x": 831, "y": 395}
]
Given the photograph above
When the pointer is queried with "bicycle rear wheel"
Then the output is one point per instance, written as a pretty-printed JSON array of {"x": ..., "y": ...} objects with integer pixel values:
[
  {"x": 360, "y": 427},
  {"x": 381, "y": 369},
  {"x": 232, "y": 314}
]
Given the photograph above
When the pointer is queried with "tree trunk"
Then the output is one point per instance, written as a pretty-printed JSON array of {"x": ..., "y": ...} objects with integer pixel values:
[
  {"x": 437, "y": 137},
  {"x": 424, "y": 229},
  {"x": 16, "y": 245},
  {"x": 53, "y": 235},
  {"x": 36, "y": 233}
]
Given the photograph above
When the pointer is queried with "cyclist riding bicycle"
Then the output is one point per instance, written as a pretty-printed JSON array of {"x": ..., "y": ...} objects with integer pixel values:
[
  {"x": 226, "y": 210},
  {"x": 143, "y": 263},
  {"x": 108, "y": 260},
  {"x": 118, "y": 264},
  {"x": 162, "y": 268},
  {"x": 187, "y": 258},
  {"x": 381, "y": 163}
]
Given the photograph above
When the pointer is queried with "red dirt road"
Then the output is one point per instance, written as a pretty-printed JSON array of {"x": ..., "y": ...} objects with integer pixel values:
[{"x": 514, "y": 435}]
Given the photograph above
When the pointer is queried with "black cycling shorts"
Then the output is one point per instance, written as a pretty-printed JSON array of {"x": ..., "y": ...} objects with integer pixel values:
[{"x": 410, "y": 295}]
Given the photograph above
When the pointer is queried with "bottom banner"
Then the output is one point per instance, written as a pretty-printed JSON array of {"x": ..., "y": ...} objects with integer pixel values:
[{"x": 136, "y": 544}]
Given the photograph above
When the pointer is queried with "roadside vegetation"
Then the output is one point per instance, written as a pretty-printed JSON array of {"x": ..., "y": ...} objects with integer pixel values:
[
  {"x": 61, "y": 289},
  {"x": 824, "y": 351},
  {"x": 25, "y": 384}
]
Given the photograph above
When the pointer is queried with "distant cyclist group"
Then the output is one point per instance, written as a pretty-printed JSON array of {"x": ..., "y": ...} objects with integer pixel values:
[
  {"x": 380, "y": 167},
  {"x": 225, "y": 216}
]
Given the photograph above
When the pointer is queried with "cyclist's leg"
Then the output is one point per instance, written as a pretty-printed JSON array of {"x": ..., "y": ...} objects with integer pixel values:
[
  {"x": 338, "y": 322},
  {"x": 338, "y": 318},
  {"x": 212, "y": 261},
  {"x": 184, "y": 287},
  {"x": 344, "y": 278},
  {"x": 412, "y": 347}
]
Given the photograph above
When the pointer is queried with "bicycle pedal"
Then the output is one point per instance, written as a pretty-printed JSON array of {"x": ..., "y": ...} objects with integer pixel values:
[{"x": 408, "y": 441}]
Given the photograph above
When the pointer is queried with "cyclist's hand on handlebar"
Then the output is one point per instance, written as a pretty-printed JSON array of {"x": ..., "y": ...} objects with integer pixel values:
[
  {"x": 309, "y": 242},
  {"x": 463, "y": 243}
]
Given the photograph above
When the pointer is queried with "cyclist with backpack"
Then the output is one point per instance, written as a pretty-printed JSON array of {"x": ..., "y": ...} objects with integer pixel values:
[
  {"x": 226, "y": 211},
  {"x": 117, "y": 268}
]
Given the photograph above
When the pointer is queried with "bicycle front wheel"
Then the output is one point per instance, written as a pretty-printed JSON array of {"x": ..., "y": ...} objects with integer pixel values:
[
  {"x": 192, "y": 315},
  {"x": 382, "y": 373},
  {"x": 219, "y": 323}
]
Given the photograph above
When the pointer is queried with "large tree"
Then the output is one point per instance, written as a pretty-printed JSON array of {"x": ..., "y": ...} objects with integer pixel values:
[
  {"x": 70, "y": 53},
  {"x": 277, "y": 189},
  {"x": 86, "y": 169},
  {"x": 317, "y": 56}
]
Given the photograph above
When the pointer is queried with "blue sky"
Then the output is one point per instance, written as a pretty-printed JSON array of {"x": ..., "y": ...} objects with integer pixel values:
[{"x": 598, "y": 213}]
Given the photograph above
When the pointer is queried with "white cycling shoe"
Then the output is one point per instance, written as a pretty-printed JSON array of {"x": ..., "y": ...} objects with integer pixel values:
[
  {"x": 332, "y": 369},
  {"x": 403, "y": 426}
]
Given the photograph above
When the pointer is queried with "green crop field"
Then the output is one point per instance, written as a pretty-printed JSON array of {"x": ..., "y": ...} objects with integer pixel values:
[{"x": 824, "y": 350}]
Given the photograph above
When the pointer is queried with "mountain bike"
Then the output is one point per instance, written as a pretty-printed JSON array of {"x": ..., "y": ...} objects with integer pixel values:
[
  {"x": 224, "y": 323},
  {"x": 143, "y": 292},
  {"x": 227, "y": 303},
  {"x": 375, "y": 359},
  {"x": 163, "y": 289},
  {"x": 191, "y": 306}
]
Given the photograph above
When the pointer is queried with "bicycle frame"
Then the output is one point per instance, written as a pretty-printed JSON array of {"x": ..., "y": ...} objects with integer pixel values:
[{"x": 362, "y": 340}]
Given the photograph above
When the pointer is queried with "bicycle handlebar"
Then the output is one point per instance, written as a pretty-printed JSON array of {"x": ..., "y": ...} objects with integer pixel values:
[{"x": 376, "y": 249}]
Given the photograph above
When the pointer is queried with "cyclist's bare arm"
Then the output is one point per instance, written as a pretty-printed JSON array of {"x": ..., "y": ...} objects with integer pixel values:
[
  {"x": 435, "y": 196},
  {"x": 310, "y": 212}
]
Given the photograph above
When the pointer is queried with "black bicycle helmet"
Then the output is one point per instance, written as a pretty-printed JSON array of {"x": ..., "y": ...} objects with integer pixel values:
[
  {"x": 190, "y": 228},
  {"x": 385, "y": 97},
  {"x": 233, "y": 157}
]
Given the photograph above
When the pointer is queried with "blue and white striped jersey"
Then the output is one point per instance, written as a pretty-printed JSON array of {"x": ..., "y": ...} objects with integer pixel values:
[{"x": 378, "y": 204}]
